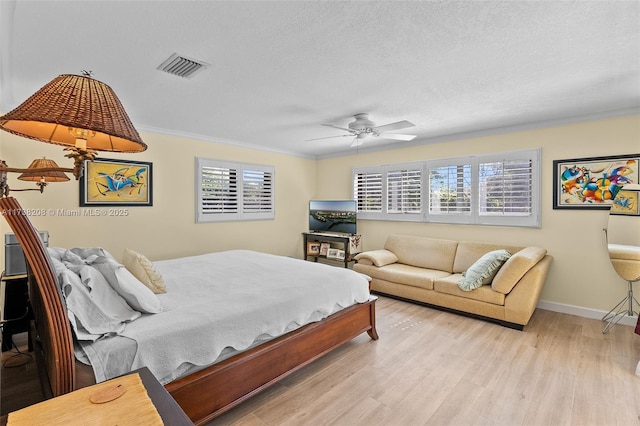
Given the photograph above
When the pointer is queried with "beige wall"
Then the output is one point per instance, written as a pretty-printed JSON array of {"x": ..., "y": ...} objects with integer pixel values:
[
  {"x": 168, "y": 228},
  {"x": 581, "y": 274}
]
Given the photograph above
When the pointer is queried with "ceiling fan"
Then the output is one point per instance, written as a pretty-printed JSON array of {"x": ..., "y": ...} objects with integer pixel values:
[{"x": 363, "y": 128}]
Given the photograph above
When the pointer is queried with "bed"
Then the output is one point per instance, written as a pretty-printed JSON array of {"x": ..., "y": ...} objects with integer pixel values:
[{"x": 203, "y": 394}]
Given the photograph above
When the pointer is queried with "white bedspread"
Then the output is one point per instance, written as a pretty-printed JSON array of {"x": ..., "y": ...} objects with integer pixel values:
[{"x": 229, "y": 299}]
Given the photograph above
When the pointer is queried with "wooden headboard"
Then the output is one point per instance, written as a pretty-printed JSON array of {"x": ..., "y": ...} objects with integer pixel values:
[{"x": 53, "y": 331}]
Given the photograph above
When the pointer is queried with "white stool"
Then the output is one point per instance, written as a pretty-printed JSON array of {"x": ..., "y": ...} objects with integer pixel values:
[{"x": 626, "y": 261}]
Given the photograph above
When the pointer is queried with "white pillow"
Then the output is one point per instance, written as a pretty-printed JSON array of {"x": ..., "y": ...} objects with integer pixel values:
[
  {"x": 143, "y": 269},
  {"x": 97, "y": 309},
  {"x": 136, "y": 294},
  {"x": 139, "y": 296}
]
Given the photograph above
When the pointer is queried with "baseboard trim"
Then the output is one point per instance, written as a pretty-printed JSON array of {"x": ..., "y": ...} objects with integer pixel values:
[{"x": 582, "y": 312}]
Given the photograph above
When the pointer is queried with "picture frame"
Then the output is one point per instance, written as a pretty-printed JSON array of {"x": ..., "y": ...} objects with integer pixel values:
[
  {"x": 109, "y": 182},
  {"x": 324, "y": 248},
  {"x": 334, "y": 253},
  {"x": 626, "y": 203},
  {"x": 313, "y": 248},
  {"x": 592, "y": 183}
]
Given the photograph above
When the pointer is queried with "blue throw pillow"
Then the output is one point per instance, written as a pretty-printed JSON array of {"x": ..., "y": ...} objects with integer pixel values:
[{"x": 483, "y": 270}]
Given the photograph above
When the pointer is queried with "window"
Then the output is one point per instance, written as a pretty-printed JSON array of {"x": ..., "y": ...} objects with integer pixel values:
[
  {"x": 367, "y": 190},
  {"x": 227, "y": 191},
  {"x": 404, "y": 191},
  {"x": 395, "y": 190},
  {"x": 450, "y": 191},
  {"x": 505, "y": 188},
  {"x": 494, "y": 189}
]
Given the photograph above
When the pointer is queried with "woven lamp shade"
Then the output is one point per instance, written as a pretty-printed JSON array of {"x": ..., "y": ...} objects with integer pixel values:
[
  {"x": 79, "y": 102},
  {"x": 48, "y": 176}
]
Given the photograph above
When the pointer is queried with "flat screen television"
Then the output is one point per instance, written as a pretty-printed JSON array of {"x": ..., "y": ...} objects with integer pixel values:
[{"x": 337, "y": 216}]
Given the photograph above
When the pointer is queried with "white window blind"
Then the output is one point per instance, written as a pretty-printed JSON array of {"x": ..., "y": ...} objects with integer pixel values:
[
  {"x": 367, "y": 191},
  {"x": 228, "y": 191},
  {"x": 219, "y": 190},
  {"x": 404, "y": 190},
  {"x": 257, "y": 190},
  {"x": 391, "y": 192},
  {"x": 509, "y": 188},
  {"x": 450, "y": 188},
  {"x": 491, "y": 189}
]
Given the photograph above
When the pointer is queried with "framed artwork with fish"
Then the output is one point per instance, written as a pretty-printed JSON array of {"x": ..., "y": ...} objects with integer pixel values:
[
  {"x": 108, "y": 182},
  {"x": 592, "y": 183}
]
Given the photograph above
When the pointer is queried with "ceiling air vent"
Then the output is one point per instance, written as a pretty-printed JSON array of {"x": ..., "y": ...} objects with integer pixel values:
[{"x": 182, "y": 66}]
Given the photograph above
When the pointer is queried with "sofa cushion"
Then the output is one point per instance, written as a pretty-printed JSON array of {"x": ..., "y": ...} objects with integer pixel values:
[
  {"x": 407, "y": 274},
  {"x": 515, "y": 268},
  {"x": 469, "y": 252},
  {"x": 378, "y": 257},
  {"x": 483, "y": 270},
  {"x": 430, "y": 253},
  {"x": 449, "y": 285}
]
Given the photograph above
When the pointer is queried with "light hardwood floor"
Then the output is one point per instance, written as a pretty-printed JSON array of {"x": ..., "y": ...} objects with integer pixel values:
[{"x": 436, "y": 368}]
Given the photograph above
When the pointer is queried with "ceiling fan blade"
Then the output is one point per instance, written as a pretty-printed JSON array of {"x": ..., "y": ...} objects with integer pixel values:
[
  {"x": 394, "y": 126},
  {"x": 328, "y": 137},
  {"x": 339, "y": 128},
  {"x": 397, "y": 136}
]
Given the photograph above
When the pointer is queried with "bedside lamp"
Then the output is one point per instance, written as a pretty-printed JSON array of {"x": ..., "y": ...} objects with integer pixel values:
[{"x": 78, "y": 112}]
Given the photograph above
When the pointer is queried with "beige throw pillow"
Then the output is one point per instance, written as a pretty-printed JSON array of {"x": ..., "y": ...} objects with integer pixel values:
[
  {"x": 378, "y": 257},
  {"x": 143, "y": 270}
]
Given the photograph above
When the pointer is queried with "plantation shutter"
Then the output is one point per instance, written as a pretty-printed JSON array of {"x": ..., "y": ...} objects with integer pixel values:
[
  {"x": 367, "y": 191},
  {"x": 257, "y": 192},
  {"x": 450, "y": 190},
  {"x": 233, "y": 191},
  {"x": 404, "y": 191},
  {"x": 489, "y": 189},
  {"x": 505, "y": 188},
  {"x": 219, "y": 190},
  {"x": 508, "y": 189}
]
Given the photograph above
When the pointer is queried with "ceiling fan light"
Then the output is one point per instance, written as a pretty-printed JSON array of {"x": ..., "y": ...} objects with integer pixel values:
[{"x": 361, "y": 122}]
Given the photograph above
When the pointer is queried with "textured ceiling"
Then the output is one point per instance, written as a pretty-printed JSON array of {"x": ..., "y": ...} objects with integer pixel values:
[{"x": 280, "y": 69}]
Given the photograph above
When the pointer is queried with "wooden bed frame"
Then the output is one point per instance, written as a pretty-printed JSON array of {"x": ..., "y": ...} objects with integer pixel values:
[{"x": 205, "y": 394}]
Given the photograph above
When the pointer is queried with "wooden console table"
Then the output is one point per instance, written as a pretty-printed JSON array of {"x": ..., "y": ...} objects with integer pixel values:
[{"x": 350, "y": 245}]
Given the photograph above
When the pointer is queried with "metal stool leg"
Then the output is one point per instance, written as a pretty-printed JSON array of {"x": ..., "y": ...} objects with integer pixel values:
[{"x": 623, "y": 308}]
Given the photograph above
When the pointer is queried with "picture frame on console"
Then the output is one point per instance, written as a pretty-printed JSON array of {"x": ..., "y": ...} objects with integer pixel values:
[
  {"x": 313, "y": 248},
  {"x": 334, "y": 253}
]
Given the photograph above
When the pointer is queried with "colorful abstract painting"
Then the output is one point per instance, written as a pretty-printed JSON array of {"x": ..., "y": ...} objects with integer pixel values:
[
  {"x": 116, "y": 182},
  {"x": 592, "y": 182}
]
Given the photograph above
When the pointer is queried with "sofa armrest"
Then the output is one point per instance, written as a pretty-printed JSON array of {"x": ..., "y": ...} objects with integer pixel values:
[
  {"x": 376, "y": 257},
  {"x": 516, "y": 267},
  {"x": 523, "y": 299}
]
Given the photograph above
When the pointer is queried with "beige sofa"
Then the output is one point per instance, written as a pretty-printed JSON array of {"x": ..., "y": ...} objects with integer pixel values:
[{"x": 427, "y": 270}]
